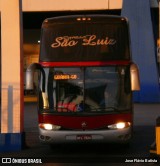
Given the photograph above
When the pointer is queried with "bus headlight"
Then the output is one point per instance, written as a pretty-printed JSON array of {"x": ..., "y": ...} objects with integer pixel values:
[
  {"x": 119, "y": 125},
  {"x": 47, "y": 126}
]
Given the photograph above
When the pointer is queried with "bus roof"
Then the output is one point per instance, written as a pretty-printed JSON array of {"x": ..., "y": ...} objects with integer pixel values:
[{"x": 91, "y": 18}]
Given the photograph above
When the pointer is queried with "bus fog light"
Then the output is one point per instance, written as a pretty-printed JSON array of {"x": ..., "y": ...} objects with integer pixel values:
[
  {"x": 49, "y": 126},
  {"x": 120, "y": 125},
  {"x": 44, "y": 138}
]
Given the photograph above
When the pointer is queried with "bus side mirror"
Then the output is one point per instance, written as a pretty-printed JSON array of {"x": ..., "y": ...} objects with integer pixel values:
[
  {"x": 30, "y": 76},
  {"x": 135, "y": 81},
  {"x": 29, "y": 81}
]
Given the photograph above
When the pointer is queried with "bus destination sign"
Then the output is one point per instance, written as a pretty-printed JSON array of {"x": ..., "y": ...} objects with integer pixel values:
[{"x": 65, "y": 77}]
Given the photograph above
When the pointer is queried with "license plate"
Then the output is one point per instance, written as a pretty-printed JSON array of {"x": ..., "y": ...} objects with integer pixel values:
[{"x": 84, "y": 137}]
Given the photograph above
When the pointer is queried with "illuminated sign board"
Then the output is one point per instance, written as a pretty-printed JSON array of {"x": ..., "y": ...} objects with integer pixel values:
[
  {"x": 65, "y": 77},
  {"x": 101, "y": 40}
]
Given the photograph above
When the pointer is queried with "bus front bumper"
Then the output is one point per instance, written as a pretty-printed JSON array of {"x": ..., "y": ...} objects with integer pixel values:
[{"x": 104, "y": 136}]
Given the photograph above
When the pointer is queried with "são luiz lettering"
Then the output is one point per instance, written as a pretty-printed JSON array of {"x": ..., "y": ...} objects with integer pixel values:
[{"x": 87, "y": 40}]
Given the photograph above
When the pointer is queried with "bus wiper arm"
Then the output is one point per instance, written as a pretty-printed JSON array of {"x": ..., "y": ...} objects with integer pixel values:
[{"x": 106, "y": 109}]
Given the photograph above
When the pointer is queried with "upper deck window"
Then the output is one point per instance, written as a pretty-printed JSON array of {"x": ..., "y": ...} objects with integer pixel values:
[{"x": 84, "y": 41}]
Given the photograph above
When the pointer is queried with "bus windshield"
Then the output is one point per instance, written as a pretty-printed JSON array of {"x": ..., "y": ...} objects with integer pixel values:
[{"x": 87, "y": 89}]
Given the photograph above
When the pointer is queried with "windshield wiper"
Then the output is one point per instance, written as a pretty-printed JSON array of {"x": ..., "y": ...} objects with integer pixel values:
[{"x": 111, "y": 109}]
